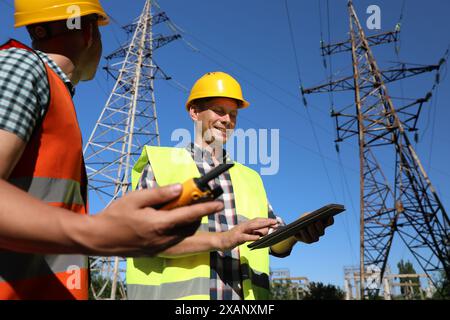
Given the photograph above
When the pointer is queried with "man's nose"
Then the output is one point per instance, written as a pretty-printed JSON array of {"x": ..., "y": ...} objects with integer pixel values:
[{"x": 226, "y": 118}]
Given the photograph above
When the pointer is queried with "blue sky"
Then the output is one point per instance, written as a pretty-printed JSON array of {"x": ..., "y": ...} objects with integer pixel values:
[{"x": 250, "y": 40}]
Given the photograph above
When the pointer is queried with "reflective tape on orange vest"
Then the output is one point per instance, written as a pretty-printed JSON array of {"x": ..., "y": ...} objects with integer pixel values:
[
  {"x": 68, "y": 285},
  {"x": 51, "y": 189}
]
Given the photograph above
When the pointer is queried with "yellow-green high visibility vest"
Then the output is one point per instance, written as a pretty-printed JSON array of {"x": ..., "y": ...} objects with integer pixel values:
[{"x": 189, "y": 277}]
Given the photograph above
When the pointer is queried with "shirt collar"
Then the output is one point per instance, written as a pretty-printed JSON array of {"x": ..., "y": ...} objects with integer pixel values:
[{"x": 200, "y": 154}]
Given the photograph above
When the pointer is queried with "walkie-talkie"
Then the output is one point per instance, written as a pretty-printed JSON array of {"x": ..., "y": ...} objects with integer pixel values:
[{"x": 197, "y": 190}]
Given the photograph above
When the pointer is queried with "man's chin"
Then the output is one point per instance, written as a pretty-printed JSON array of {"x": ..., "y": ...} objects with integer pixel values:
[
  {"x": 89, "y": 76},
  {"x": 216, "y": 139}
]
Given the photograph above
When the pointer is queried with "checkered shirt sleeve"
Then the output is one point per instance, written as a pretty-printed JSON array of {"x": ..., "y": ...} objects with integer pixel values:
[{"x": 24, "y": 92}]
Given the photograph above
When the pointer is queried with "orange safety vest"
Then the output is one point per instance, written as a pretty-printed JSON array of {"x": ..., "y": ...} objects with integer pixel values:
[{"x": 51, "y": 169}]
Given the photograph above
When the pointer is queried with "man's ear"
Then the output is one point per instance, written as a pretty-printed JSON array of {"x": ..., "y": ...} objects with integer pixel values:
[
  {"x": 88, "y": 35},
  {"x": 193, "y": 112},
  {"x": 39, "y": 32}
]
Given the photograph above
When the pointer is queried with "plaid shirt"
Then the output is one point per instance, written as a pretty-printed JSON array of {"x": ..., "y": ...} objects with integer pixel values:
[
  {"x": 24, "y": 90},
  {"x": 225, "y": 277}
]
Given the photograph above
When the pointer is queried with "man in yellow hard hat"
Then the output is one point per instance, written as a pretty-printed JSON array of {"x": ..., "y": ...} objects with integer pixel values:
[
  {"x": 45, "y": 231},
  {"x": 215, "y": 263}
]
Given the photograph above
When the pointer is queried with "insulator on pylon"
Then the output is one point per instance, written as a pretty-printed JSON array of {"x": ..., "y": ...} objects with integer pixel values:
[
  {"x": 332, "y": 112},
  {"x": 303, "y": 97},
  {"x": 399, "y": 206},
  {"x": 305, "y": 102}
]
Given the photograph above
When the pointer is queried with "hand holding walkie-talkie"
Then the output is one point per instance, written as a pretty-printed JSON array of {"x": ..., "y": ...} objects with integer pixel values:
[{"x": 197, "y": 190}]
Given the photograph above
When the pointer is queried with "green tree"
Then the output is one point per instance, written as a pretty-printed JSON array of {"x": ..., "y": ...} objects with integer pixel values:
[
  {"x": 320, "y": 291},
  {"x": 408, "y": 268},
  {"x": 98, "y": 282},
  {"x": 443, "y": 289},
  {"x": 282, "y": 290},
  {"x": 374, "y": 296}
]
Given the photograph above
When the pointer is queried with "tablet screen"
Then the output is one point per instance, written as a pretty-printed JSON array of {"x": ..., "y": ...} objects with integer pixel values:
[{"x": 293, "y": 228}]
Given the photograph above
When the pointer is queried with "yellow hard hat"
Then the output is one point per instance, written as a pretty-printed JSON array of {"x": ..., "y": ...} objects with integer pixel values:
[
  {"x": 217, "y": 84},
  {"x": 37, "y": 11}
]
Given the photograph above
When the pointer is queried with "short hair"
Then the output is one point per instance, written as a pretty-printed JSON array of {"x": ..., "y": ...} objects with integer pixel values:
[
  {"x": 201, "y": 102},
  {"x": 49, "y": 33}
]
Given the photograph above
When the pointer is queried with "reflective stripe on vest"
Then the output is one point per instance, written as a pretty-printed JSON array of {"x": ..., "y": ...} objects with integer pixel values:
[
  {"x": 51, "y": 169},
  {"x": 189, "y": 277},
  {"x": 50, "y": 189}
]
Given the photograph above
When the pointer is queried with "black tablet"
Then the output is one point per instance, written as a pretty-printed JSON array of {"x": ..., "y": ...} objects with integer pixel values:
[{"x": 293, "y": 228}]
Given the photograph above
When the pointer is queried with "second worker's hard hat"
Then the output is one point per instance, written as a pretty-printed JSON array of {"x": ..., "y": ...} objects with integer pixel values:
[
  {"x": 217, "y": 84},
  {"x": 40, "y": 11}
]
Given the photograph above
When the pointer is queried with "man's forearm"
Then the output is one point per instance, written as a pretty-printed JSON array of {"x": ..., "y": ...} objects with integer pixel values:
[
  {"x": 200, "y": 242},
  {"x": 29, "y": 225}
]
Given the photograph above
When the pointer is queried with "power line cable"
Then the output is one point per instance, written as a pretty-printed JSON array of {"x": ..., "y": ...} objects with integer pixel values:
[
  {"x": 347, "y": 226},
  {"x": 330, "y": 61},
  {"x": 286, "y": 138},
  {"x": 113, "y": 32},
  {"x": 433, "y": 127},
  {"x": 264, "y": 92},
  {"x": 174, "y": 27},
  {"x": 243, "y": 67},
  {"x": 434, "y": 89},
  {"x": 346, "y": 187},
  {"x": 209, "y": 57},
  {"x": 240, "y": 65},
  {"x": 440, "y": 171},
  {"x": 295, "y": 143},
  {"x": 192, "y": 47},
  {"x": 291, "y": 32},
  {"x": 345, "y": 222},
  {"x": 321, "y": 31}
]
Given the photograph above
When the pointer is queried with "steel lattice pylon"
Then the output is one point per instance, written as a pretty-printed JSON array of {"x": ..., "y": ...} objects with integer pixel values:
[
  {"x": 409, "y": 206},
  {"x": 127, "y": 123}
]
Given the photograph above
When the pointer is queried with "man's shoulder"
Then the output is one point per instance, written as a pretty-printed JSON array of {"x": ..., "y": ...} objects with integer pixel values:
[
  {"x": 159, "y": 150},
  {"x": 24, "y": 93},
  {"x": 163, "y": 154},
  {"x": 245, "y": 168},
  {"x": 20, "y": 58},
  {"x": 22, "y": 67},
  {"x": 162, "y": 147}
]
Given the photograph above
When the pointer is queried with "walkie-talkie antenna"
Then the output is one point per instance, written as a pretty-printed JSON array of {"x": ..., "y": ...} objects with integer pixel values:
[{"x": 202, "y": 182}]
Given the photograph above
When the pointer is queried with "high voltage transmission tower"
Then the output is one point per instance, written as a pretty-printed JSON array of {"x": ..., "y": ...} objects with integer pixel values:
[
  {"x": 127, "y": 123},
  {"x": 400, "y": 201}
]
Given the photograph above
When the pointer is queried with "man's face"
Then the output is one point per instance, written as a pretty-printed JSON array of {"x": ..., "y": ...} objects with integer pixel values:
[{"x": 217, "y": 117}]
